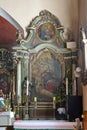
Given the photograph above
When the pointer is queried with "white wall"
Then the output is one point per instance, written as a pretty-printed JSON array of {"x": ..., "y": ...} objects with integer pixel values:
[
  {"x": 24, "y": 10},
  {"x": 83, "y": 13}
]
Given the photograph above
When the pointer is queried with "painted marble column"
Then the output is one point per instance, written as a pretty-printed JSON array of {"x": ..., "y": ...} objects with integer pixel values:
[
  {"x": 19, "y": 80},
  {"x": 27, "y": 90},
  {"x": 26, "y": 56}
]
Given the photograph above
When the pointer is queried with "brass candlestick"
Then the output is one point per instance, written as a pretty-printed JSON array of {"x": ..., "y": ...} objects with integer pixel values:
[{"x": 17, "y": 113}]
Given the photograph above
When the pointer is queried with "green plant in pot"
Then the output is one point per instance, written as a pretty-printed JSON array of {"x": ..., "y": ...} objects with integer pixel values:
[
  {"x": 61, "y": 102},
  {"x": 61, "y": 94},
  {"x": 61, "y": 107}
]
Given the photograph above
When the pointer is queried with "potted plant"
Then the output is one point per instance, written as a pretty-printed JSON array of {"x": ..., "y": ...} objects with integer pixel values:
[
  {"x": 61, "y": 107},
  {"x": 61, "y": 102}
]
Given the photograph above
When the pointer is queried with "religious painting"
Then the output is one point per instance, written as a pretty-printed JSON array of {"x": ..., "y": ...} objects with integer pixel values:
[
  {"x": 5, "y": 82},
  {"x": 46, "y": 75},
  {"x": 46, "y": 31}
]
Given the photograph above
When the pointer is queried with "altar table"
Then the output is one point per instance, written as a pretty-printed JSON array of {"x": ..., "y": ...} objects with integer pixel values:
[
  {"x": 43, "y": 124},
  {"x": 6, "y": 118}
]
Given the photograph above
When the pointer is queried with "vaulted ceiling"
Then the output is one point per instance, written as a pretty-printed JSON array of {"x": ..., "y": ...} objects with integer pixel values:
[{"x": 8, "y": 29}]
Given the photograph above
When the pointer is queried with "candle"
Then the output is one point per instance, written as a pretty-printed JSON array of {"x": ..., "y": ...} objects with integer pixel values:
[
  {"x": 54, "y": 102},
  {"x": 35, "y": 99},
  {"x": 66, "y": 86},
  {"x": 54, "y": 98}
]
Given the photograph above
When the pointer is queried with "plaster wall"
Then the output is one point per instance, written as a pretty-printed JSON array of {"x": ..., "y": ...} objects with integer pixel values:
[
  {"x": 24, "y": 11},
  {"x": 83, "y": 13}
]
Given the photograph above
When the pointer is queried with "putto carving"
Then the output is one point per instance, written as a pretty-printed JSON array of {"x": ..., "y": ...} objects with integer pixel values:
[
  {"x": 45, "y": 12},
  {"x": 44, "y": 16},
  {"x": 47, "y": 15}
]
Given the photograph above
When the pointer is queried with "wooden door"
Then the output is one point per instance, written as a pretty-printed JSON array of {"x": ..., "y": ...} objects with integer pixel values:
[{"x": 85, "y": 120}]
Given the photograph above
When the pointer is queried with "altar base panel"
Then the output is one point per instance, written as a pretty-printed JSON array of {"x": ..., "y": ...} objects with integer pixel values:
[{"x": 43, "y": 124}]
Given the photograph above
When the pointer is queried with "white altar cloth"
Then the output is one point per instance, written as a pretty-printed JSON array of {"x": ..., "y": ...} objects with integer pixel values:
[
  {"x": 43, "y": 124},
  {"x": 6, "y": 118}
]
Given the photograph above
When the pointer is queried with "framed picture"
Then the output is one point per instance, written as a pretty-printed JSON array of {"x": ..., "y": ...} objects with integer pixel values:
[
  {"x": 46, "y": 31},
  {"x": 46, "y": 75},
  {"x": 5, "y": 81}
]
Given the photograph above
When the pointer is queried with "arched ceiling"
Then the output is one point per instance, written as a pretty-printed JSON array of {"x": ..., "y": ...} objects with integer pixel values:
[{"x": 8, "y": 29}]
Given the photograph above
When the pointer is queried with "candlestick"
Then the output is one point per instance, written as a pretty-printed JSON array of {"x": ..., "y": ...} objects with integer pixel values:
[
  {"x": 66, "y": 86},
  {"x": 27, "y": 87}
]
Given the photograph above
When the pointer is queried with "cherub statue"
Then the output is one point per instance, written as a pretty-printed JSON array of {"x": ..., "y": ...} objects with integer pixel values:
[{"x": 18, "y": 36}]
